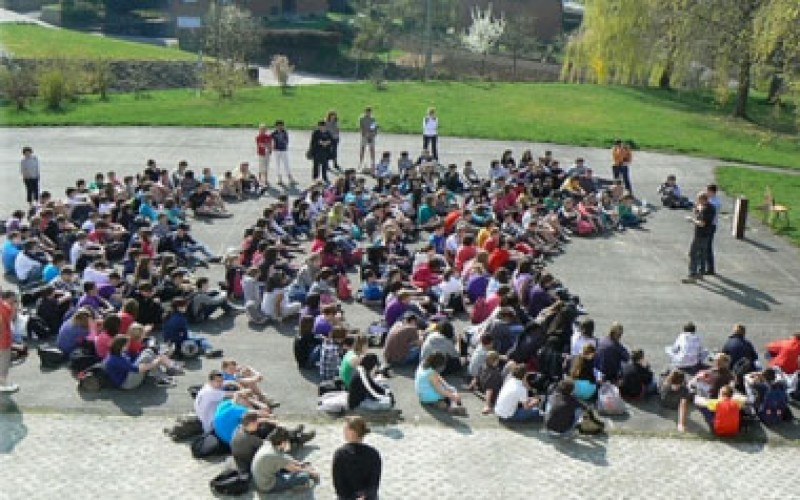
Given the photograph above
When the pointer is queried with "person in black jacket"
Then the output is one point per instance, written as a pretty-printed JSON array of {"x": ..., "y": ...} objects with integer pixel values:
[
  {"x": 739, "y": 348},
  {"x": 365, "y": 392},
  {"x": 319, "y": 150},
  {"x": 356, "y": 466}
]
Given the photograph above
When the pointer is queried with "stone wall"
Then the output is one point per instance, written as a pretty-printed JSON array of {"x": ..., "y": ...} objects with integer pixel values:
[{"x": 135, "y": 75}]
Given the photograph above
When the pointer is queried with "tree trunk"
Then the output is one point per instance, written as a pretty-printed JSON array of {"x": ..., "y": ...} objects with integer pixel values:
[
  {"x": 775, "y": 87},
  {"x": 743, "y": 89},
  {"x": 665, "y": 80},
  {"x": 514, "y": 56}
]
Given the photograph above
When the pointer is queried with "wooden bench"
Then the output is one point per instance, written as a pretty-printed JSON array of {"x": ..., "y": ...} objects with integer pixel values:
[{"x": 772, "y": 211}]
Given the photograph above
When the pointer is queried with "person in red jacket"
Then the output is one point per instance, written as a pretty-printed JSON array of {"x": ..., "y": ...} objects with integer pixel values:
[
  {"x": 784, "y": 353},
  {"x": 724, "y": 414},
  {"x": 8, "y": 305}
]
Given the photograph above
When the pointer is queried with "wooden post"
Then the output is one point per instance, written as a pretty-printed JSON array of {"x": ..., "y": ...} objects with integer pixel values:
[{"x": 739, "y": 217}]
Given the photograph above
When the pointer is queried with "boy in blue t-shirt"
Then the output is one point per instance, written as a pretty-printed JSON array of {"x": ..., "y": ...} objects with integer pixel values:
[{"x": 371, "y": 290}]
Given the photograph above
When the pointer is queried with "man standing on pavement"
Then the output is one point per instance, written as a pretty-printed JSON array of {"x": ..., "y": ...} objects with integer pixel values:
[
  {"x": 29, "y": 169},
  {"x": 263, "y": 151},
  {"x": 369, "y": 129},
  {"x": 280, "y": 146},
  {"x": 713, "y": 199},
  {"x": 430, "y": 133},
  {"x": 320, "y": 149},
  {"x": 7, "y": 311},
  {"x": 621, "y": 156},
  {"x": 702, "y": 218}
]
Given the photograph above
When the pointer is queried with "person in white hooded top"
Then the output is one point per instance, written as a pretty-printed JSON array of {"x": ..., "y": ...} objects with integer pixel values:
[{"x": 687, "y": 352}]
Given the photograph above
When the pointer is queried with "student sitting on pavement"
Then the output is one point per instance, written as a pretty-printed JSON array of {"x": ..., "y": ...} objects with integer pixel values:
[
  {"x": 432, "y": 389},
  {"x": 674, "y": 395},
  {"x": 209, "y": 397},
  {"x": 276, "y": 304},
  {"x": 707, "y": 383},
  {"x": 251, "y": 434},
  {"x": 355, "y": 348},
  {"x": 767, "y": 391},
  {"x": 331, "y": 354},
  {"x": 741, "y": 351},
  {"x": 244, "y": 377},
  {"x": 125, "y": 373},
  {"x": 205, "y": 301},
  {"x": 611, "y": 354},
  {"x": 582, "y": 373},
  {"x": 687, "y": 352},
  {"x": 637, "y": 378},
  {"x": 176, "y": 332},
  {"x": 785, "y": 353},
  {"x": 563, "y": 411},
  {"x": 489, "y": 381},
  {"x": 403, "y": 342},
  {"x": 513, "y": 403},
  {"x": 441, "y": 338},
  {"x": 366, "y": 392},
  {"x": 723, "y": 415},
  {"x": 274, "y": 471}
]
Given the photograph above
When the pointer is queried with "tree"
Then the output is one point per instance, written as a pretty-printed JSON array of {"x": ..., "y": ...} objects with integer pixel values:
[
  {"x": 519, "y": 37},
  {"x": 231, "y": 35},
  {"x": 17, "y": 85},
  {"x": 282, "y": 70},
  {"x": 484, "y": 33},
  {"x": 661, "y": 41}
]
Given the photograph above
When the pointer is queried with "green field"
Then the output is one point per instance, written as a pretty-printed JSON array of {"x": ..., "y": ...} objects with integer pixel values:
[
  {"x": 587, "y": 115},
  {"x": 751, "y": 183},
  {"x": 29, "y": 41}
]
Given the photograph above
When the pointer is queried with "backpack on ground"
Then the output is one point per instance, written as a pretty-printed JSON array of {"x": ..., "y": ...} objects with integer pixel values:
[
  {"x": 186, "y": 426},
  {"x": 333, "y": 402},
  {"x": 81, "y": 359},
  {"x": 376, "y": 333},
  {"x": 208, "y": 445},
  {"x": 93, "y": 379},
  {"x": 230, "y": 482},
  {"x": 774, "y": 406},
  {"x": 50, "y": 357}
]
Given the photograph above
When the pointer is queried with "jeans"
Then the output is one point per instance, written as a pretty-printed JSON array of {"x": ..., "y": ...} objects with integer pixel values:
[
  {"x": 698, "y": 255},
  {"x": 288, "y": 480},
  {"x": 524, "y": 415},
  {"x": 320, "y": 168},
  {"x": 432, "y": 140},
  {"x": 199, "y": 247},
  {"x": 370, "y": 404},
  {"x": 710, "y": 251},
  {"x": 621, "y": 172},
  {"x": 31, "y": 189}
]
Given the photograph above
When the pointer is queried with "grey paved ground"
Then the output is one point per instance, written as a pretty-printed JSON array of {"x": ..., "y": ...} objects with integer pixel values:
[
  {"x": 71, "y": 457},
  {"x": 631, "y": 277}
]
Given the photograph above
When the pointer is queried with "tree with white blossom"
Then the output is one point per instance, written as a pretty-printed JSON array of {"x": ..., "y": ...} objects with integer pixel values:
[{"x": 484, "y": 33}]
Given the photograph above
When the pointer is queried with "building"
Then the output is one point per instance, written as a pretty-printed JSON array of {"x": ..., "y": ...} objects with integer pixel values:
[
  {"x": 548, "y": 15},
  {"x": 189, "y": 14}
]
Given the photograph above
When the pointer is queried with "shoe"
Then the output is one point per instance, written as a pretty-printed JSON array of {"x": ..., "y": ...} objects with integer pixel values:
[
  {"x": 692, "y": 278},
  {"x": 457, "y": 411},
  {"x": 173, "y": 371},
  {"x": 272, "y": 403},
  {"x": 304, "y": 486},
  {"x": 305, "y": 437},
  {"x": 202, "y": 263},
  {"x": 214, "y": 353},
  {"x": 165, "y": 382},
  {"x": 710, "y": 273},
  {"x": 9, "y": 388},
  {"x": 215, "y": 260},
  {"x": 280, "y": 181}
]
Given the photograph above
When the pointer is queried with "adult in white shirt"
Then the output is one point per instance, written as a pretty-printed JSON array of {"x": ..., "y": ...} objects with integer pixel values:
[
  {"x": 276, "y": 304},
  {"x": 513, "y": 403},
  {"x": 687, "y": 351},
  {"x": 208, "y": 398},
  {"x": 430, "y": 133}
]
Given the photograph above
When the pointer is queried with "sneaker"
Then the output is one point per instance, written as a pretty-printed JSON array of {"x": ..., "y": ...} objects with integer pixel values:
[
  {"x": 215, "y": 260},
  {"x": 9, "y": 388},
  {"x": 166, "y": 382},
  {"x": 173, "y": 371},
  {"x": 214, "y": 353}
]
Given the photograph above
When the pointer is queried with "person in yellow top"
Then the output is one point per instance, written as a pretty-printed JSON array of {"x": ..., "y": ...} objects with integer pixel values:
[
  {"x": 485, "y": 233},
  {"x": 622, "y": 156},
  {"x": 572, "y": 187}
]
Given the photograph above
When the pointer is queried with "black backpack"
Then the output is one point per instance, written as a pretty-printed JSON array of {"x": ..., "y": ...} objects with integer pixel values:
[
  {"x": 230, "y": 482},
  {"x": 50, "y": 357},
  {"x": 93, "y": 379},
  {"x": 186, "y": 426},
  {"x": 209, "y": 445},
  {"x": 81, "y": 359}
]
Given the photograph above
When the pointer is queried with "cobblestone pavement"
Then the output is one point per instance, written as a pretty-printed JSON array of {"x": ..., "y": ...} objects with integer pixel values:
[{"x": 69, "y": 456}]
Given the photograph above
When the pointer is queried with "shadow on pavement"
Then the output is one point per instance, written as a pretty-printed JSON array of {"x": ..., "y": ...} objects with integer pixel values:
[
  {"x": 456, "y": 423},
  {"x": 738, "y": 292},
  {"x": 589, "y": 449},
  {"x": 760, "y": 245},
  {"x": 12, "y": 429},
  {"x": 132, "y": 402}
]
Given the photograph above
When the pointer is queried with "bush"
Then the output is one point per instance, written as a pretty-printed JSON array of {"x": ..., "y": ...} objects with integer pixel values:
[
  {"x": 224, "y": 78},
  {"x": 17, "y": 85},
  {"x": 100, "y": 78},
  {"x": 53, "y": 88}
]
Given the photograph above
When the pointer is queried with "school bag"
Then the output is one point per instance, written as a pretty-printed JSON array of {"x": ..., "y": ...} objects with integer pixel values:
[
  {"x": 343, "y": 290},
  {"x": 208, "y": 445},
  {"x": 50, "y": 357},
  {"x": 81, "y": 359},
  {"x": 774, "y": 406},
  {"x": 186, "y": 426},
  {"x": 584, "y": 228},
  {"x": 591, "y": 423},
  {"x": 230, "y": 482},
  {"x": 93, "y": 379},
  {"x": 376, "y": 333}
]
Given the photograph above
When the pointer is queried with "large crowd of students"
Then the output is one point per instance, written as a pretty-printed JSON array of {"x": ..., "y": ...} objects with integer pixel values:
[{"x": 110, "y": 273}]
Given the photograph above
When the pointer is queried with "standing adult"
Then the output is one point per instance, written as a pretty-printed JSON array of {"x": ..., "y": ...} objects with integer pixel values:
[
  {"x": 8, "y": 305},
  {"x": 332, "y": 126},
  {"x": 714, "y": 201},
  {"x": 319, "y": 148},
  {"x": 702, "y": 218},
  {"x": 430, "y": 133},
  {"x": 621, "y": 156},
  {"x": 29, "y": 169},
  {"x": 356, "y": 466},
  {"x": 263, "y": 151},
  {"x": 369, "y": 129},
  {"x": 280, "y": 147}
]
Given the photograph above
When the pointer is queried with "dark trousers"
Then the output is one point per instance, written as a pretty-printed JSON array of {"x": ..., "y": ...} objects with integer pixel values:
[
  {"x": 31, "y": 189},
  {"x": 321, "y": 167},
  {"x": 698, "y": 255},
  {"x": 335, "y": 152},
  {"x": 621, "y": 172},
  {"x": 710, "y": 251},
  {"x": 432, "y": 141}
]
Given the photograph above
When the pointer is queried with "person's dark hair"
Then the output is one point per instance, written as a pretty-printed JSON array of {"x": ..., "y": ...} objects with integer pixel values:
[
  {"x": 689, "y": 327},
  {"x": 278, "y": 436},
  {"x": 369, "y": 361},
  {"x": 306, "y": 327},
  {"x": 587, "y": 327},
  {"x": 89, "y": 286},
  {"x": 178, "y": 302},
  {"x": 447, "y": 330},
  {"x": 117, "y": 345},
  {"x": 566, "y": 386},
  {"x": 249, "y": 418},
  {"x": 769, "y": 375},
  {"x": 357, "y": 424},
  {"x": 312, "y": 301},
  {"x": 637, "y": 355},
  {"x": 519, "y": 371},
  {"x": 112, "y": 325},
  {"x": 201, "y": 282},
  {"x": 675, "y": 377},
  {"x": 435, "y": 360}
]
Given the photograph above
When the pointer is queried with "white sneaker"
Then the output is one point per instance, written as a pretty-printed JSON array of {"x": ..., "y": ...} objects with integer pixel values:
[{"x": 8, "y": 389}]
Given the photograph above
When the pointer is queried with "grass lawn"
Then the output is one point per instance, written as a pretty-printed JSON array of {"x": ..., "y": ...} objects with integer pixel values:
[
  {"x": 752, "y": 184},
  {"x": 29, "y": 41},
  {"x": 587, "y": 115}
]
